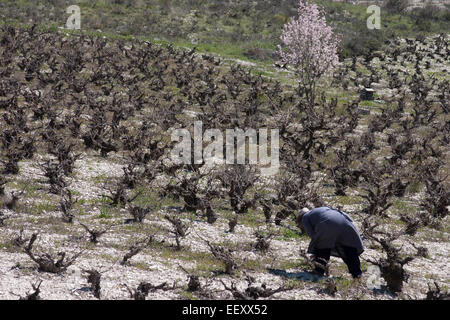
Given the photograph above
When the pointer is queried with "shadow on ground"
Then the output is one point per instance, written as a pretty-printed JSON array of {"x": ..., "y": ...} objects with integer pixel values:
[{"x": 303, "y": 275}]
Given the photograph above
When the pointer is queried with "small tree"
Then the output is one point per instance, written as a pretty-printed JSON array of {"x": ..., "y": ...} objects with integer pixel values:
[
  {"x": 396, "y": 6},
  {"x": 310, "y": 45}
]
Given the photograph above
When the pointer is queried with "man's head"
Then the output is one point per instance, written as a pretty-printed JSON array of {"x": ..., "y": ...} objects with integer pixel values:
[{"x": 299, "y": 218}]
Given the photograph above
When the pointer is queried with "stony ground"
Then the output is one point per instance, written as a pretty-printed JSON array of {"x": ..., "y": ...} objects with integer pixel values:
[
  {"x": 38, "y": 211},
  {"x": 161, "y": 262}
]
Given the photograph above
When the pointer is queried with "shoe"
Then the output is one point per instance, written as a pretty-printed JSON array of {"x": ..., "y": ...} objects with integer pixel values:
[
  {"x": 317, "y": 273},
  {"x": 358, "y": 276}
]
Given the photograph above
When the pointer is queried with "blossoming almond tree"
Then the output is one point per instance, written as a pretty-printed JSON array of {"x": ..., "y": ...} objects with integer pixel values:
[{"x": 310, "y": 45}]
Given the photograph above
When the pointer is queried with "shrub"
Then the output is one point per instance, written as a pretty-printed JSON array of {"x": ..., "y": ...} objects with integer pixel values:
[
  {"x": 310, "y": 45},
  {"x": 396, "y": 6}
]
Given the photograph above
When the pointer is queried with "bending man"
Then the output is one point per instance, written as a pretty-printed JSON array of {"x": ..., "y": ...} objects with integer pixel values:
[{"x": 332, "y": 233}]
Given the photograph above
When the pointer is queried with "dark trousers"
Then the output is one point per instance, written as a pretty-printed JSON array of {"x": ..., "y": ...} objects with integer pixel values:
[{"x": 348, "y": 254}]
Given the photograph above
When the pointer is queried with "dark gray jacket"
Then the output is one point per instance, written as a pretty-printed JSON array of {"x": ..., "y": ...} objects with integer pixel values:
[{"x": 330, "y": 229}]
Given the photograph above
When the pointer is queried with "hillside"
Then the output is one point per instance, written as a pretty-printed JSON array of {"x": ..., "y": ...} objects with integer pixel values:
[
  {"x": 92, "y": 205},
  {"x": 238, "y": 29}
]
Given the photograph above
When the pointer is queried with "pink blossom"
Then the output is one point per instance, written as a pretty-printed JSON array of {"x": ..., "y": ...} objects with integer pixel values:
[{"x": 309, "y": 44}]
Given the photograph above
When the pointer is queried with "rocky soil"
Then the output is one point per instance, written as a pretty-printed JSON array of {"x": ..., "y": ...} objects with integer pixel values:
[
  {"x": 161, "y": 263},
  {"x": 37, "y": 211}
]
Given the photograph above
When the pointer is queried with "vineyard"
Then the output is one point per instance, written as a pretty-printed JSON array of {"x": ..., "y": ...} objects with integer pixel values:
[{"x": 92, "y": 206}]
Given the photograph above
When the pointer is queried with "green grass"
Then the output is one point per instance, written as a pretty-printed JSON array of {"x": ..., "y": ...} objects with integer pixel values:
[
  {"x": 30, "y": 188},
  {"x": 186, "y": 295},
  {"x": 100, "y": 179},
  {"x": 205, "y": 263},
  {"x": 225, "y": 29},
  {"x": 256, "y": 264},
  {"x": 294, "y": 263},
  {"x": 289, "y": 234},
  {"x": 226, "y": 50},
  {"x": 348, "y": 200},
  {"x": 39, "y": 208},
  {"x": 8, "y": 246},
  {"x": 148, "y": 198},
  {"x": 371, "y": 104},
  {"x": 107, "y": 211},
  {"x": 251, "y": 220},
  {"x": 403, "y": 207}
]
